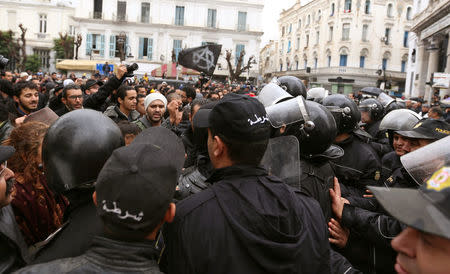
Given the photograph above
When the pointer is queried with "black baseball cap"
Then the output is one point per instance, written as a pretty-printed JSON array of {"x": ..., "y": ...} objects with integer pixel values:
[
  {"x": 236, "y": 117},
  {"x": 427, "y": 129},
  {"x": 6, "y": 152},
  {"x": 137, "y": 183},
  {"x": 91, "y": 82},
  {"x": 426, "y": 209}
]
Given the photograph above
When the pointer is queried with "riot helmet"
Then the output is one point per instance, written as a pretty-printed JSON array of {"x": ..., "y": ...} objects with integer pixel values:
[
  {"x": 399, "y": 119},
  {"x": 317, "y": 94},
  {"x": 344, "y": 110},
  {"x": 373, "y": 107},
  {"x": 292, "y": 85},
  {"x": 76, "y": 147},
  {"x": 272, "y": 94}
]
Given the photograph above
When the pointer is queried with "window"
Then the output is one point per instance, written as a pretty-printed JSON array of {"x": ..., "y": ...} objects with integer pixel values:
[
  {"x": 345, "y": 32},
  {"x": 177, "y": 47},
  {"x": 332, "y": 9},
  {"x": 309, "y": 20},
  {"x": 367, "y": 7},
  {"x": 112, "y": 47},
  {"x": 387, "y": 34},
  {"x": 95, "y": 42},
  {"x": 315, "y": 62},
  {"x": 348, "y": 6},
  {"x": 299, "y": 23},
  {"x": 145, "y": 48},
  {"x": 362, "y": 60},
  {"x": 297, "y": 45},
  {"x": 44, "y": 57},
  {"x": 296, "y": 65},
  {"x": 389, "y": 10},
  {"x": 72, "y": 30},
  {"x": 329, "y": 61},
  {"x": 98, "y": 9},
  {"x": 403, "y": 68},
  {"x": 290, "y": 28},
  {"x": 305, "y": 63},
  {"x": 242, "y": 21},
  {"x": 364, "y": 33},
  {"x": 319, "y": 15},
  {"x": 179, "y": 17},
  {"x": 405, "y": 39},
  {"x": 343, "y": 60},
  {"x": 317, "y": 37},
  {"x": 282, "y": 31},
  {"x": 121, "y": 10},
  {"x": 282, "y": 47},
  {"x": 281, "y": 66},
  {"x": 409, "y": 13},
  {"x": 212, "y": 15},
  {"x": 145, "y": 12},
  {"x": 43, "y": 23},
  {"x": 330, "y": 33},
  {"x": 384, "y": 63},
  {"x": 307, "y": 40},
  {"x": 289, "y": 46},
  {"x": 239, "y": 48}
]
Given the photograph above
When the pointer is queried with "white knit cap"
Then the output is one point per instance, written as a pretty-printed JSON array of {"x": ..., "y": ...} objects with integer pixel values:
[
  {"x": 154, "y": 96},
  {"x": 68, "y": 82}
]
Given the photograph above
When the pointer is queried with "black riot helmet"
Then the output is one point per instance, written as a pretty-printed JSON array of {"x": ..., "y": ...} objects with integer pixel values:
[
  {"x": 318, "y": 131},
  {"x": 292, "y": 85},
  {"x": 373, "y": 107},
  {"x": 344, "y": 110},
  {"x": 399, "y": 120},
  {"x": 76, "y": 147}
]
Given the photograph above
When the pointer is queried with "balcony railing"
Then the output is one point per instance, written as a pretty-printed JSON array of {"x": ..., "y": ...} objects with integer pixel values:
[
  {"x": 41, "y": 35},
  {"x": 240, "y": 27},
  {"x": 144, "y": 20},
  {"x": 96, "y": 15},
  {"x": 120, "y": 17}
]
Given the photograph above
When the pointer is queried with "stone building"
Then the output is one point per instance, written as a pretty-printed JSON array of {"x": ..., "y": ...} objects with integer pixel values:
[
  {"x": 155, "y": 29},
  {"x": 430, "y": 48},
  {"x": 344, "y": 45},
  {"x": 43, "y": 19}
]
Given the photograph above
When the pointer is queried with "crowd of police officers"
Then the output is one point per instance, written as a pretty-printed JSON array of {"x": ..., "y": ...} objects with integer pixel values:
[{"x": 278, "y": 184}]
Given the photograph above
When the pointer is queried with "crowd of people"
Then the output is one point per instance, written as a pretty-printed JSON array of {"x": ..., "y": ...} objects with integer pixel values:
[{"x": 115, "y": 175}]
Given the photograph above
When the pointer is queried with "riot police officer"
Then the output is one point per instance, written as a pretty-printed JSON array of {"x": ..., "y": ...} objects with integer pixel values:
[
  {"x": 360, "y": 166},
  {"x": 292, "y": 85},
  {"x": 74, "y": 150}
]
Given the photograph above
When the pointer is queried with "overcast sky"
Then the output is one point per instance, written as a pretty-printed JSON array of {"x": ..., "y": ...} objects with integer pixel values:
[{"x": 271, "y": 13}]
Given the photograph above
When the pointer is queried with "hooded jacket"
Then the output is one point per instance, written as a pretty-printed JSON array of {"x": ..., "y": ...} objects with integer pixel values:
[{"x": 247, "y": 222}]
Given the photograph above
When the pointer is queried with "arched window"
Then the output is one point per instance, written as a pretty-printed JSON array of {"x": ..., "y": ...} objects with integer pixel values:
[
  {"x": 281, "y": 65},
  {"x": 367, "y": 7},
  {"x": 315, "y": 59},
  {"x": 404, "y": 63},
  {"x": 299, "y": 23},
  {"x": 296, "y": 62},
  {"x": 362, "y": 57},
  {"x": 409, "y": 13},
  {"x": 328, "y": 57},
  {"x": 384, "y": 61},
  {"x": 343, "y": 56},
  {"x": 288, "y": 64},
  {"x": 309, "y": 20},
  {"x": 305, "y": 61},
  {"x": 389, "y": 10},
  {"x": 332, "y": 9},
  {"x": 319, "y": 15},
  {"x": 348, "y": 6}
]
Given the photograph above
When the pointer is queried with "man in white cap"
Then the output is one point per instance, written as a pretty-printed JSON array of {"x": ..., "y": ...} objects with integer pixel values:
[{"x": 155, "y": 106}]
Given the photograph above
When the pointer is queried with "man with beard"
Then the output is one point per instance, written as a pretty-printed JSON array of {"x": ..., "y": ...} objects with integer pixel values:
[
  {"x": 126, "y": 108},
  {"x": 72, "y": 98},
  {"x": 7, "y": 75},
  {"x": 155, "y": 105},
  {"x": 26, "y": 99}
]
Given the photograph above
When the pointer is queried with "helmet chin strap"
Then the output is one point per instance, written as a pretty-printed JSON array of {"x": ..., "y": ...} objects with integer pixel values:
[{"x": 309, "y": 125}]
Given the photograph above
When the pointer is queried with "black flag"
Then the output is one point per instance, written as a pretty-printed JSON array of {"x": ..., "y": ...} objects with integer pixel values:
[{"x": 202, "y": 58}]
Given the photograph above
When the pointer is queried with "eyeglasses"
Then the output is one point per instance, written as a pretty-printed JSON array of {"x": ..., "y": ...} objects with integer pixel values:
[{"x": 74, "y": 97}]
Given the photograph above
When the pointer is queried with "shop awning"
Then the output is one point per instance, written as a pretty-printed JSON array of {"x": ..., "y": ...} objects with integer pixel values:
[{"x": 81, "y": 65}]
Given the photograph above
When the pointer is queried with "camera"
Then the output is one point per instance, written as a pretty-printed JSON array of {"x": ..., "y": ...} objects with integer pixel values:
[
  {"x": 180, "y": 108},
  {"x": 131, "y": 68},
  {"x": 3, "y": 62}
]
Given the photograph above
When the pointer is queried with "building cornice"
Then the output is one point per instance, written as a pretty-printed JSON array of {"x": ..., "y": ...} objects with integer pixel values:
[
  {"x": 228, "y": 3},
  {"x": 167, "y": 26},
  {"x": 426, "y": 18},
  {"x": 13, "y": 5}
]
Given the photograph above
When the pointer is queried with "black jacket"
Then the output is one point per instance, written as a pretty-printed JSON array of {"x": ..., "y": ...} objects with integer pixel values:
[
  {"x": 389, "y": 163},
  {"x": 75, "y": 238},
  {"x": 187, "y": 137},
  {"x": 106, "y": 256},
  {"x": 317, "y": 177},
  {"x": 247, "y": 222},
  {"x": 61, "y": 111},
  {"x": 358, "y": 168},
  {"x": 97, "y": 101},
  {"x": 380, "y": 142},
  {"x": 13, "y": 249}
]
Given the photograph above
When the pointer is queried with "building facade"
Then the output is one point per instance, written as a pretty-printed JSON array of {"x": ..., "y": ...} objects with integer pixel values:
[
  {"x": 156, "y": 30},
  {"x": 344, "y": 45},
  {"x": 43, "y": 19},
  {"x": 430, "y": 50}
]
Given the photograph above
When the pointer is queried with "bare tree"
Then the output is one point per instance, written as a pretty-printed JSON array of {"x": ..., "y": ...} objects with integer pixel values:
[
  {"x": 236, "y": 72},
  {"x": 77, "y": 45},
  {"x": 21, "y": 41},
  {"x": 67, "y": 45}
]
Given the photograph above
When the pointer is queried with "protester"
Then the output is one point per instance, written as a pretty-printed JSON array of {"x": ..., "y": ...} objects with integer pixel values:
[
  {"x": 129, "y": 131},
  {"x": 38, "y": 211},
  {"x": 125, "y": 110},
  {"x": 72, "y": 99},
  {"x": 26, "y": 99},
  {"x": 155, "y": 106}
]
